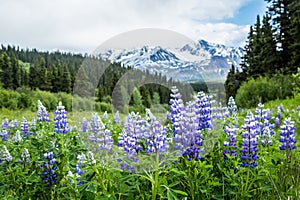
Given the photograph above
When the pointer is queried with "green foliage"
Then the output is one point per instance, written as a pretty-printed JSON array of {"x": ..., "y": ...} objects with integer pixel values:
[
  {"x": 272, "y": 45},
  {"x": 275, "y": 177},
  {"x": 65, "y": 72},
  {"x": 264, "y": 89},
  {"x": 24, "y": 98}
]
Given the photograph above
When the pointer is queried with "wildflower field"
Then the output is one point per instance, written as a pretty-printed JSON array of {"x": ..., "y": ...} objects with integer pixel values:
[{"x": 200, "y": 150}]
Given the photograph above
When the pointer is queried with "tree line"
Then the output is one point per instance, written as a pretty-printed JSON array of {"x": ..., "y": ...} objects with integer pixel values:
[
  {"x": 272, "y": 46},
  {"x": 57, "y": 72}
]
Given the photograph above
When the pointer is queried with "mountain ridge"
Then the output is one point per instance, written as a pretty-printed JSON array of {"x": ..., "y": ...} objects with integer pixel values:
[{"x": 194, "y": 62}]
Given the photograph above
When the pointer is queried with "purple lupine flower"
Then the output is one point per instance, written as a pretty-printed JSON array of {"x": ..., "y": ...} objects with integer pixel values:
[
  {"x": 281, "y": 108},
  {"x": 176, "y": 107},
  {"x": 250, "y": 141},
  {"x": 4, "y": 135},
  {"x": 265, "y": 129},
  {"x": 188, "y": 122},
  {"x": 219, "y": 112},
  {"x": 5, "y": 156},
  {"x": 230, "y": 144},
  {"x": 266, "y": 134},
  {"x": 203, "y": 111},
  {"x": 125, "y": 166},
  {"x": 79, "y": 171},
  {"x": 279, "y": 112},
  {"x": 101, "y": 135},
  {"x": 287, "y": 135},
  {"x": 168, "y": 116},
  {"x": 298, "y": 108},
  {"x": 49, "y": 169},
  {"x": 266, "y": 114},
  {"x": 156, "y": 140},
  {"x": 259, "y": 116},
  {"x": 42, "y": 113},
  {"x": 189, "y": 139},
  {"x": 60, "y": 120},
  {"x": 24, "y": 127},
  {"x": 129, "y": 139},
  {"x": 84, "y": 125},
  {"x": 231, "y": 107},
  {"x": 117, "y": 118},
  {"x": 105, "y": 115},
  {"x": 5, "y": 123},
  {"x": 277, "y": 122},
  {"x": 259, "y": 111}
]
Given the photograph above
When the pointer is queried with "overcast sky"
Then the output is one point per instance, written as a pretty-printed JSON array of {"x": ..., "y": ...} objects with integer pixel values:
[{"x": 83, "y": 25}]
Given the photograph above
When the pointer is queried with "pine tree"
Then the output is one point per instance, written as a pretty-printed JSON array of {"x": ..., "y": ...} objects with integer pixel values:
[
  {"x": 156, "y": 98},
  {"x": 65, "y": 80},
  {"x": 231, "y": 83},
  {"x": 145, "y": 96},
  {"x": 248, "y": 56},
  {"x": 137, "y": 98},
  {"x": 16, "y": 76},
  {"x": 280, "y": 14},
  {"x": 55, "y": 80},
  {"x": 255, "y": 59},
  {"x": 294, "y": 48},
  {"x": 6, "y": 71},
  {"x": 268, "y": 53}
]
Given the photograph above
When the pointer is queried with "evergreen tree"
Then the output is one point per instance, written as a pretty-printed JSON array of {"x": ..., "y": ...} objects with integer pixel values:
[
  {"x": 6, "y": 71},
  {"x": 231, "y": 83},
  {"x": 146, "y": 99},
  {"x": 137, "y": 98},
  {"x": 65, "y": 80},
  {"x": 255, "y": 59},
  {"x": 55, "y": 77},
  {"x": 268, "y": 53},
  {"x": 16, "y": 75},
  {"x": 280, "y": 14},
  {"x": 156, "y": 98},
  {"x": 248, "y": 53},
  {"x": 294, "y": 48}
]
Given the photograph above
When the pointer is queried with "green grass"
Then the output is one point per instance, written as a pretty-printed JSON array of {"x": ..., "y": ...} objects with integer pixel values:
[{"x": 287, "y": 103}]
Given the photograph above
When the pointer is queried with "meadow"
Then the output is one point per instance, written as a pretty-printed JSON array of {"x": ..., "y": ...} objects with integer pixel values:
[{"x": 200, "y": 150}]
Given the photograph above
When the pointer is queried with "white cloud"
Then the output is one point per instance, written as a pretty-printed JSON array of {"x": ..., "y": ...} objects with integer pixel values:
[{"x": 82, "y": 25}]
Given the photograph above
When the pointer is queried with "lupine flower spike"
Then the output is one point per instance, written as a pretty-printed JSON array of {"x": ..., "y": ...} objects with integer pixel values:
[
  {"x": 250, "y": 141},
  {"x": 84, "y": 125},
  {"x": 4, "y": 135},
  {"x": 24, "y": 127},
  {"x": 42, "y": 113},
  {"x": 5, "y": 156},
  {"x": 232, "y": 108},
  {"x": 101, "y": 135},
  {"x": 49, "y": 172},
  {"x": 79, "y": 171},
  {"x": 230, "y": 144},
  {"x": 117, "y": 118},
  {"x": 60, "y": 120},
  {"x": 5, "y": 124},
  {"x": 287, "y": 135}
]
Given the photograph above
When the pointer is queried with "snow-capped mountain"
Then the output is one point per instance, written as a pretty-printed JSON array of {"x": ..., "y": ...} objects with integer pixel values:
[{"x": 202, "y": 61}]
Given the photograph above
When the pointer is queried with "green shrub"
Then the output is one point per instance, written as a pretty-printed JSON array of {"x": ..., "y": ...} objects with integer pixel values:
[
  {"x": 263, "y": 90},
  {"x": 105, "y": 107}
]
